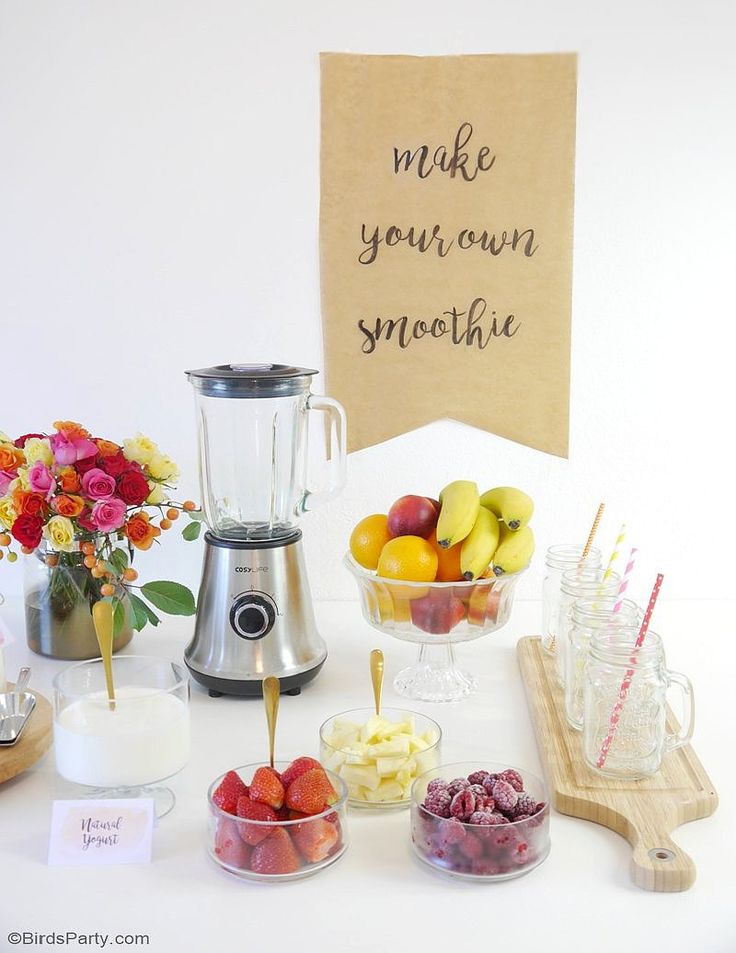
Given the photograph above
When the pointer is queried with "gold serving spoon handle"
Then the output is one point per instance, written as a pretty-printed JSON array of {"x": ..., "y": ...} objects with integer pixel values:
[
  {"x": 102, "y": 618},
  {"x": 271, "y": 695},
  {"x": 377, "y": 677}
]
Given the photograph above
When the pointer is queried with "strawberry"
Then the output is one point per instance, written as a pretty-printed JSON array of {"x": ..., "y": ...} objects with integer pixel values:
[
  {"x": 228, "y": 791},
  {"x": 316, "y": 839},
  {"x": 255, "y": 811},
  {"x": 297, "y": 767},
  {"x": 267, "y": 788},
  {"x": 310, "y": 792},
  {"x": 229, "y": 845},
  {"x": 275, "y": 855}
]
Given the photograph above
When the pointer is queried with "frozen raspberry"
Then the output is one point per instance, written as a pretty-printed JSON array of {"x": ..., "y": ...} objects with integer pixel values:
[
  {"x": 500, "y": 819},
  {"x": 449, "y": 832},
  {"x": 471, "y": 847},
  {"x": 481, "y": 817},
  {"x": 462, "y": 805},
  {"x": 504, "y": 837},
  {"x": 485, "y": 868},
  {"x": 477, "y": 777},
  {"x": 477, "y": 789},
  {"x": 484, "y": 803},
  {"x": 521, "y": 817},
  {"x": 513, "y": 778},
  {"x": 458, "y": 784},
  {"x": 504, "y": 795},
  {"x": 438, "y": 802},
  {"x": 489, "y": 781},
  {"x": 525, "y": 805},
  {"x": 437, "y": 785}
]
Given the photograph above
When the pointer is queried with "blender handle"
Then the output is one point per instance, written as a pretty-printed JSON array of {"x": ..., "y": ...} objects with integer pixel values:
[{"x": 336, "y": 436}]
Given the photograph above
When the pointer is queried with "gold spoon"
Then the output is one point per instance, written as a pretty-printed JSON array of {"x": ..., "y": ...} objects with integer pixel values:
[
  {"x": 271, "y": 694},
  {"x": 377, "y": 677},
  {"x": 102, "y": 618}
]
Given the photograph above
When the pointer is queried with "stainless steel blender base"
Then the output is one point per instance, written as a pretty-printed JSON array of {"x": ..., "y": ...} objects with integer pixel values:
[{"x": 254, "y": 618}]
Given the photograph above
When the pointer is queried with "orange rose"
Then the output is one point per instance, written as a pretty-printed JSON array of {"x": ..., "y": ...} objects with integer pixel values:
[
  {"x": 68, "y": 480},
  {"x": 67, "y": 504},
  {"x": 29, "y": 504},
  {"x": 71, "y": 429},
  {"x": 107, "y": 448},
  {"x": 11, "y": 457},
  {"x": 140, "y": 532}
]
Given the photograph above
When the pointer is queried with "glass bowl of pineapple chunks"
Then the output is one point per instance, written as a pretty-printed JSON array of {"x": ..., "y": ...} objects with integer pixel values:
[{"x": 379, "y": 756}]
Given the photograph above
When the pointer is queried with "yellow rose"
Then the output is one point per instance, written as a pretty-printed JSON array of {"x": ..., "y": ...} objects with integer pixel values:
[
  {"x": 38, "y": 448},
  {"x": 59, "y": 531},
  {"x": 139, "y": 449},
  {"x": 4, "y": 438},
  {"x": 21, "y": 482},
  {"x": 163, "y": 468},
  {"x": 7, "y": 511},
  {"x": 156, "y": 495}
]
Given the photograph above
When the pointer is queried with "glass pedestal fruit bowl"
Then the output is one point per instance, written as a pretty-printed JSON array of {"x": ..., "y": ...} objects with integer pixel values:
[
  {"x": 463, "y": 825},
  {"x": 436, "y": 616},
  {"x": 379, "y": 756},
  {"x": 289, "y": 847}
]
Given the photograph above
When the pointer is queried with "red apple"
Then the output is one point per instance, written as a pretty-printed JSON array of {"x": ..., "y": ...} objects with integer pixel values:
[
  {"x": 412, "y": 516},
  {"x": 438, "y": 612},
  {"x": 483, "y": 605}
]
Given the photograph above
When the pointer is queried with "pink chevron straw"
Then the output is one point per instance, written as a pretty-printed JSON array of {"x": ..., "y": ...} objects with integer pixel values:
[
  {"x": 623, "y": 585},
  {"x": 626, "y": 683}
]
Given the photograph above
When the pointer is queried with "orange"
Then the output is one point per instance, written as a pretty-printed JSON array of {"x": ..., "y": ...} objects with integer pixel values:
[
  {"x": 368, "y": 539},
  {"x": 448, "y": 561},
  {"x": 408, "y": 557}
]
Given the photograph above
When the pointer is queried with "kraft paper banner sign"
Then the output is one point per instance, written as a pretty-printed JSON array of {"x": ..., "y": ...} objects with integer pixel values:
[{"x": 446, "y": 226}]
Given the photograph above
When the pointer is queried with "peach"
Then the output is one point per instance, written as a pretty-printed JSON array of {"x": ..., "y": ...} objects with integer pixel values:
[{"x": 412, "y": 516}]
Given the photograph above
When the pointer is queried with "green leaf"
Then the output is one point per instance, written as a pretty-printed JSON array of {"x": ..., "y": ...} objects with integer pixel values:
[
  {"x": 119, "y": 561},
  {"x": 118, "y": 617},
  {"x": 191, "y": 531},
  {"x": 196, "y": 515},
  {"x": 170, "y": 597},
  {"x": 141, "y": 613}
]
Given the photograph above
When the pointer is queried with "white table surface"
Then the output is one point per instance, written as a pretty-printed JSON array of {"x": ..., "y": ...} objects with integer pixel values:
[{"x": 378, "y": 896}]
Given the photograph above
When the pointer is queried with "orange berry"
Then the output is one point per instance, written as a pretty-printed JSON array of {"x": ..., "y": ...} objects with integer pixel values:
[
  {"x": 107, "y": 589},
  {"x": 88, "y": 549},
  {"x": 165, "y": 524},
  {"x": 90, "y": 562},
  {"x": 189, "y": 505},
  {"x": 26, "y": 550},
  {"x": 4, "y": 539},
  {"x": 52, "y": 561},
  {"x": 12, "y": 557},
  {"x": 2, "y": 554},
  {"x": 130, "y": 575},
  {"x": 97, "y": 572},
  {"x": 172, "y": 514}
]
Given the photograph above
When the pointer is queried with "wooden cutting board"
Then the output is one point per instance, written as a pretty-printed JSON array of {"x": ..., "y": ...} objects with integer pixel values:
[
  {"x": 644, "y": 812},
  {"x": 32, "y": 744}
]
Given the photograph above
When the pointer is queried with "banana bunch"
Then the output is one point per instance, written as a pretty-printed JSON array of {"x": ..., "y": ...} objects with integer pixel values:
[{"x": 493, "y": 529}]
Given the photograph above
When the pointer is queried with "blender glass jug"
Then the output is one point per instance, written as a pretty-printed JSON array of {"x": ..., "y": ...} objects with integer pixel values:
[{"x": 253, "y": 436}]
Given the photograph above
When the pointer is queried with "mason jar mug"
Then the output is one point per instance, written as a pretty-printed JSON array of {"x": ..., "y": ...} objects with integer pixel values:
[
  {"x": 558, "y": 559},
  {"x": 576, "y": 584}
]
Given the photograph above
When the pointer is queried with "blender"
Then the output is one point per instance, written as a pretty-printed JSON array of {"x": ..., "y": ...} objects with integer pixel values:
[{"x": 254, "y": 612}]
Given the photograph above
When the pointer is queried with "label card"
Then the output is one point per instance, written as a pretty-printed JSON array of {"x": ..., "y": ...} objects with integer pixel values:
[{"x": 102, "y": 832}]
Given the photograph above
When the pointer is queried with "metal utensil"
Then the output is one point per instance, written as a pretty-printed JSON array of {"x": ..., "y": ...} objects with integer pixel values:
[
  {"x": 377, "y": 677},
  {"x": 102, "y": 618},
  {"x": 271, "y": 695},
  {"x": 15, "y": 709}
]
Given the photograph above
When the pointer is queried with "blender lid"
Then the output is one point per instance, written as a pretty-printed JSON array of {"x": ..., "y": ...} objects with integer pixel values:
[{"x": 251, "y": 380}]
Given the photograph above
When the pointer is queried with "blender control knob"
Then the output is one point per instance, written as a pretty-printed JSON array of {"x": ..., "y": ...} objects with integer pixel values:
[{"x": 252, "y": 615}]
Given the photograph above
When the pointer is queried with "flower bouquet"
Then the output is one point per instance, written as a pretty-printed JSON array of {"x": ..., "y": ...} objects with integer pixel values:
[{"x": 84, "y": 506}]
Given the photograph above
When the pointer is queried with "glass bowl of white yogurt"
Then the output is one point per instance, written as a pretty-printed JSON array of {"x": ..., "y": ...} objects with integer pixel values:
[{"x": 121, "y": 749}]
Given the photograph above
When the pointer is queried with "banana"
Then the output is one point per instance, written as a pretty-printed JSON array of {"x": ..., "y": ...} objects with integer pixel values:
[
  {"x": 515, "y": 550},
  {"x": 479, "y": 545},
  {"x": 459, "y": 508},
  {"x": 514, "y": 507}
]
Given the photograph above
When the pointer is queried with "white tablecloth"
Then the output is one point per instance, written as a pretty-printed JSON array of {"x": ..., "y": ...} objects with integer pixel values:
[{"x": 378, "y": 896}]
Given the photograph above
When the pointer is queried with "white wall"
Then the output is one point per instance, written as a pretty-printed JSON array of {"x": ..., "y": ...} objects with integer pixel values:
[{"x": 159, "y": 202}]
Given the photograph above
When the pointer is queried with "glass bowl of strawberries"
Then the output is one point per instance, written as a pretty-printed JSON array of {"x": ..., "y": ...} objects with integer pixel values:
[
  {"x": 277, "y": 823},
  {"x": 481, "y": 822}
]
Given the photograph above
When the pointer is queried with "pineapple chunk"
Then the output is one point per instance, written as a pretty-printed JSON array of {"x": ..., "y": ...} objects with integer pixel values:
[{"x": 360, "y": 774}]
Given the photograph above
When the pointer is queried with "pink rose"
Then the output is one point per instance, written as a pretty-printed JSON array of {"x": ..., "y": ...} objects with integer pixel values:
[
  {"x": 108, "y": 515},
  {"x": 6, "y": 478},
  {"x": 68, "y": 450},
  {"x": 40, "y": 480},
  {"x": 98, "y": 485}
]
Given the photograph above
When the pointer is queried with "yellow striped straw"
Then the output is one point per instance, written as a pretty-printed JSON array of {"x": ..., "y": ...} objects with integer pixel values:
[{"x": 616, "y": 551}]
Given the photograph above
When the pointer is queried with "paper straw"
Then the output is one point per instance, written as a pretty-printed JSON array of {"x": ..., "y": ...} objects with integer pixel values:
[
  {"x": 625, "y": 581},
  {"x": 591, "y": 534},
  {"x": 616, "y": 552},
  {"x": 626, "y": 683}
]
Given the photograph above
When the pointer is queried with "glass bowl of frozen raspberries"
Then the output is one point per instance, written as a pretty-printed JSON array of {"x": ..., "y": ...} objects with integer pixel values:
[
  {"x": 280, "y": 823},
  {"x": 482, "y": 822}
]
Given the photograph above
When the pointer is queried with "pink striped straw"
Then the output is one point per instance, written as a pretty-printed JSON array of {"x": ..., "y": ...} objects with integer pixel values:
[
  {"x": 626, "y": 683},
  {"x": 623, "y": 585}
]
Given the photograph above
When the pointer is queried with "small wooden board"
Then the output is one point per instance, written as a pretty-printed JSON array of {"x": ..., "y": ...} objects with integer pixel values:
[
  {"x": 644, "y": 812},
  {"x": 32, "y": 744}
]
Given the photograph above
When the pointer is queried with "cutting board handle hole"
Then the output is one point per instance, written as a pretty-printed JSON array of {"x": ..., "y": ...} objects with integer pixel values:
[{"x": 661, "y": 853}]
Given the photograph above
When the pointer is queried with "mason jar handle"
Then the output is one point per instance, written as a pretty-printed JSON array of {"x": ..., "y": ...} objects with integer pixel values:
[
  {"x": 336, "y": 439},
  {"x": 687, "y": 723}
]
